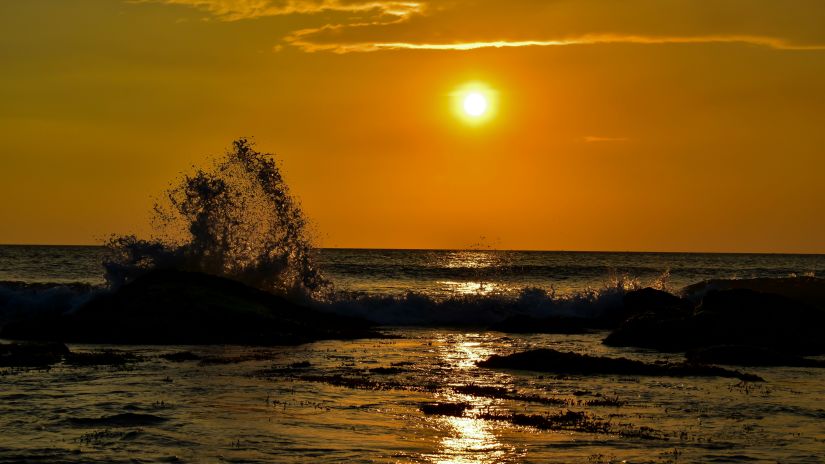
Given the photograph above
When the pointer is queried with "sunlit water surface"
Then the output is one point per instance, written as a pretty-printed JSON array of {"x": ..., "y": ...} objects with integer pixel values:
[
  {"x": 242, "y": 411},
  {"x": 445, "y": 273}
]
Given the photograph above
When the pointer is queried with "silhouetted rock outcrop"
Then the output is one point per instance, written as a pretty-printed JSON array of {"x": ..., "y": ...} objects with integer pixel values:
[
  {"x": 633, "y": 303},
  {"x": 808, "y": 290},
  {"x": 175, "y": 307},
  {"x": 547, "y": 360},
  {"x": 730, "y": 317},
  {"x": 650, "y": 301}
]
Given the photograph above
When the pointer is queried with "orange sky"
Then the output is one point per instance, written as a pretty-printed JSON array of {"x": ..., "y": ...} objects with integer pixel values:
[{"x": 635, "y": 125}]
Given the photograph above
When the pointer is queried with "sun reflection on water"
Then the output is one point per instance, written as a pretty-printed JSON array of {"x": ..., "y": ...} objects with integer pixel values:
[
  {"x": 470, "y": 441},
  {"x": 467, "y": 439},
  {"x": 473, "y": 259},
  {"x": 461, "y": 352},
  {"x": 479, "y": 272},
  {"x": 474, "y": 287}
]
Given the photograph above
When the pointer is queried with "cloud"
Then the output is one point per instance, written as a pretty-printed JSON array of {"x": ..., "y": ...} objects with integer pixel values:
[
  {"x": 350, "y": 26},
  {"x": 300, "y": 40},
  {"x": 236, "y": 10}
]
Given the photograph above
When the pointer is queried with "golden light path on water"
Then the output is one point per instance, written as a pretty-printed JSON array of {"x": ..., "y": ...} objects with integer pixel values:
[
  {"x": 472, "y": 440},
  {"x": 480, "y": 263},
  {"x": 473, "y": 288},
  {"x": 473, "y": 443},
  {"x": 469, "y": 440},
  {"x": 473, "y": 259},
  {"x": 288, "y": 404}
]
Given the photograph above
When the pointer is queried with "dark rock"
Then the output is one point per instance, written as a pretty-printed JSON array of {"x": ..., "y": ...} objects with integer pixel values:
[
  {"x": 650, "y": 300},
  {"x": 387, "y": 370},
  {"x": 650, "y": 330},
  {"x": 127, "y": 419},
  {"x": 807, "y": 290},
  {"x": 175, "y": 307},
  {"x": 574, "y": 421},
  {"x": 730, "y": 317},
  {"x": 31, "y": 354},
  {"x": 547, "y": 360},
  {"x": 445, "y": 409},
  {"x": 101, "y": 358},
  {"x": 739, "y": 355},
  {"x": 487, "y": 391},
  {"x": 634, "y": 303}
]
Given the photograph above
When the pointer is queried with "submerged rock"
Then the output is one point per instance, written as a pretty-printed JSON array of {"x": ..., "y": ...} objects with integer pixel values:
[
  {"x": 548, "y": 360},
  {"x": 127, "y": 419},
  {"x": 445, "y": 409},
  {"x": 101, "y": 358},
  {"x": 175, "y": 307},
  {"x": 31, "y": 354},
  {"x": 739, "y": 355},
  {"x": 574, "y": 421}
]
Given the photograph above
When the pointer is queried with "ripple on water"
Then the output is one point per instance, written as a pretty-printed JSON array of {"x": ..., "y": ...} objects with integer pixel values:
[{"x": 284, "y": 405}]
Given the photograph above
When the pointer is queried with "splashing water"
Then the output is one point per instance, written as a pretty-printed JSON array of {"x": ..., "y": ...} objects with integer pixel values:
[{"x": 236, "y": 219}]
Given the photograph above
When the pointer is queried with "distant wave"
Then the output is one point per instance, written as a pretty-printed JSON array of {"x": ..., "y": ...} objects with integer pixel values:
[{"x": 527, "y": 270}]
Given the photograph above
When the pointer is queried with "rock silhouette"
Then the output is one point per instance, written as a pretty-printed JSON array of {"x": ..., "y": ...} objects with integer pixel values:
[
  {"x": 548, "y": 360},
  {"x": 728, "y": 317},
  {"x": 176, "y": 307}
]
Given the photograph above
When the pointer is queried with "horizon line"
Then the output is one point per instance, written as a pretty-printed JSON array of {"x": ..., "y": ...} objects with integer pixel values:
[{"x": 529, "y": 250}]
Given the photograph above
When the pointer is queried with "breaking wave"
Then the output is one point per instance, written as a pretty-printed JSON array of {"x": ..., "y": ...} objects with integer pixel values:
[
  {"x": 420, "y": 309},
  {"x": 17, "y": 299},
  {"x": 485, "y": 309},
  {"x": 237, "y": 220}
]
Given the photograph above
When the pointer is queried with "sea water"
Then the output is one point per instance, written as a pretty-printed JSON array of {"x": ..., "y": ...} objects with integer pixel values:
[
  {"x": 443, "y": 273},
  {"x": 249, "y": 404}
]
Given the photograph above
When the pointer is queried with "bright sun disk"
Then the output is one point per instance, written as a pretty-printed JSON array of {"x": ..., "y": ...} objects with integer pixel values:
[{"x": 475, "y": 104}]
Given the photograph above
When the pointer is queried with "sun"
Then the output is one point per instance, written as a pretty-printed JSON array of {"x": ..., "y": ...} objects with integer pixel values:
[{"x": 475, "y": 104}]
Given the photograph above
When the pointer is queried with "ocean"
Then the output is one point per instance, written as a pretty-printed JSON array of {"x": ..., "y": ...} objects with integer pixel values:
[
  {"x": 444, "y": 273},
  {"x": 366, "y": 401}
]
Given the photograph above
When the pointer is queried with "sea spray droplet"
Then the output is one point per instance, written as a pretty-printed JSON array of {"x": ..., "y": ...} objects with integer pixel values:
[{"x": 236, "y": 219}]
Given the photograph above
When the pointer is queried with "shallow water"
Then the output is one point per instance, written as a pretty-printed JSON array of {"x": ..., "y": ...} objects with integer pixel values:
[{"x": 243, "y": 411}]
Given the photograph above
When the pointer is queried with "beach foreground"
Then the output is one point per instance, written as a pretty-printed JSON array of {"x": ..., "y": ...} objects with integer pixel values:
[{"x": 418, "y": 398}]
